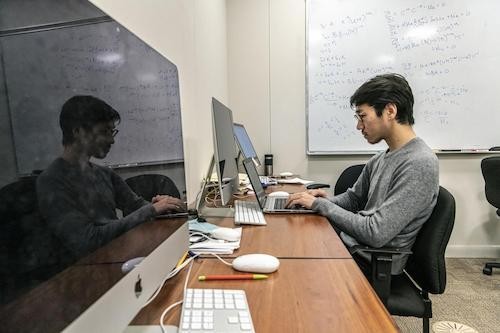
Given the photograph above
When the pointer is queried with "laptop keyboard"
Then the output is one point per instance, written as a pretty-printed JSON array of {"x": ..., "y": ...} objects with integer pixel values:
[
  {"x": 248, "y": 212},
  {"x": 279, "y": 203}
]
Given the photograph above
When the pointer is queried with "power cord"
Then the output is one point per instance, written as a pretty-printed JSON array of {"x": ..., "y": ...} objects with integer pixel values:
[
  {"x": 189, "y": 262},
  {"x": 164, "y": 313}
]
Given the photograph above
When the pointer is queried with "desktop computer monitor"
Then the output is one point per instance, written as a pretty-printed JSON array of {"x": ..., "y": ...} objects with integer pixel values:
[
  {"x": 245, "y": 144},
  {"x": 225, "y": 152}
]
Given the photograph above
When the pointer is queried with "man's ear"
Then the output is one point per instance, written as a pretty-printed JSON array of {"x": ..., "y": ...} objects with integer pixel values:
[
  {"x": 392, "y": 110},
  {"x": 77, "y": 132}
]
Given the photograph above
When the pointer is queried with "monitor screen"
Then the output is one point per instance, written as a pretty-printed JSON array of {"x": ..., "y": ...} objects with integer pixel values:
[
  {"x": 225, "y": 152},
  {"x": 245, "y": 144}
]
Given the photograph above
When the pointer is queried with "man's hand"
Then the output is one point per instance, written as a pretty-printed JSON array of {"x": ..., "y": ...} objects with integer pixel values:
[
  {"x": 303, "y": 199},
  {"x": 318, "y": 193},
  {"x": 166, "y": 203}
]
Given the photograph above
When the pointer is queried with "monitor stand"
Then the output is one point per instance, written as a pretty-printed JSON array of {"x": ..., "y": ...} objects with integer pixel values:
[{"x": 201, "y": 205}]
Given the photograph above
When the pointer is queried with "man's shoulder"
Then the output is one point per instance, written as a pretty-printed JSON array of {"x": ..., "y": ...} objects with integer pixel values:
[
  {"x": 420, "y": 152},
  {"x": 56, "y": 168}
]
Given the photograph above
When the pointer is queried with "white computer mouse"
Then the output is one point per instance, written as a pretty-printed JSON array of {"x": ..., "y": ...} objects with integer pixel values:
[
  {"x": 227, "y": 234},
  {"x": 256, "y": 263},
  {"x": 278, "y": 194},
  {"x": 286, "y": 174},
  {"x": 130, "y": 264}
]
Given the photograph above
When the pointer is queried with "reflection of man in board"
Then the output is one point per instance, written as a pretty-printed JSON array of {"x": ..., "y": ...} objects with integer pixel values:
[
  {"x": 397, "y": 189},
  {"x": 78, "y": 198}
]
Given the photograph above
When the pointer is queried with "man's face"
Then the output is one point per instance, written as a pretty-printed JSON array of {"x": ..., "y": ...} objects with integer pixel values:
[
  {"x": 373, "y": 128},
  {"x": 97, "y": 141}
]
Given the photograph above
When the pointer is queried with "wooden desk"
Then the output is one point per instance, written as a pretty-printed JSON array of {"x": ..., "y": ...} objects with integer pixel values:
[
  {"x": 55, "y": 303},
  {"x": 318, "y": 287},
  {"x": 137, "y": 242},
  {"x": 304, "y": 295},
  {"x": 289, "y": 236}
]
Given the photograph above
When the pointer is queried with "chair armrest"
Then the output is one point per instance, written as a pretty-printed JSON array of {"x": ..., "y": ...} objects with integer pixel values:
[
  {"x": 388, "y": 250},
  {"x": 381, "y": 264}
]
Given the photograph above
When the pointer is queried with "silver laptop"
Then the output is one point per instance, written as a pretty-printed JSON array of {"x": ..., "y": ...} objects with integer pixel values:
[{"x": 269, "y": 204}]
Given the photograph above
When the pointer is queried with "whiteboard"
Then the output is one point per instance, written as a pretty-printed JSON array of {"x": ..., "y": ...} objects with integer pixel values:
[
  {"x": 449, "y": 51},
  {"x": 45, "y": 68}
]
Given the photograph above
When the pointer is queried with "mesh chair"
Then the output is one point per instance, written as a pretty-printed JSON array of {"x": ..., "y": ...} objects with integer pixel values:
[
  {"x": 149, "y": 185},
  {"x": 426, "y": 265},
  {"x": 347, "y": 178},
  {"x": 29, "y": 253},
  {"x": 490, "y": 168}
]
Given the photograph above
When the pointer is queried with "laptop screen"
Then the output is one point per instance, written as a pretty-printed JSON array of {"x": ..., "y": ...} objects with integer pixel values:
[
  {"x": 244, "y": 143},
  {"x": 253, "y": 176}
]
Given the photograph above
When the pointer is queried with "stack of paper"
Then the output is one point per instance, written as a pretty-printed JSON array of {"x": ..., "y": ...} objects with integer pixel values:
[
  {"x": 214, "y": 246},
  {"x": 295, "y": 180},
  {"x": 201, "y": 244}
]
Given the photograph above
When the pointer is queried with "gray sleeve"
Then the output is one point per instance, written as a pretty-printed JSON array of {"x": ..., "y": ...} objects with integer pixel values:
[
  {"x": 412, "y": 191},
  {"x": 74, "y": 227},
  {"x": 126, "y": 199}
]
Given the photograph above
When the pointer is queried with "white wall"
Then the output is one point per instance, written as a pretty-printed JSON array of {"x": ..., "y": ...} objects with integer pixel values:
[
  {"x": 259, "y": 71},
  {"x": 191, "y": 34},
  {"x": 270, "y": 35}
]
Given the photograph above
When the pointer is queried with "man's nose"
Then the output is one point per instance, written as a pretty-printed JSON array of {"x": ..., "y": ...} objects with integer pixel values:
[{"x": 359, "y": 125}]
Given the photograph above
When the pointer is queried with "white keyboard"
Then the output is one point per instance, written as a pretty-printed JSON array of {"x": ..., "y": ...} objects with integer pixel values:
[
  {"x": 215, "y": 310},
  {"x": 248, "y": 212}
]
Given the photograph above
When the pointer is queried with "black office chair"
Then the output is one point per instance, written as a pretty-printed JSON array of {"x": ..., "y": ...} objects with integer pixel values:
[
  {"x": 29, "y": 253},
  {"x": 426, "y": 265},
  {"x": 347, "y": 178},
  {"x": 149, "y": 185},
  {"x": 490, "y": 167}
]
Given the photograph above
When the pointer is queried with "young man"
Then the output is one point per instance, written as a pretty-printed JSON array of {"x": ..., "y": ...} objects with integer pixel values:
[
  {"x": 78, "y": 198},
  {"x": 397, "y": 189}
]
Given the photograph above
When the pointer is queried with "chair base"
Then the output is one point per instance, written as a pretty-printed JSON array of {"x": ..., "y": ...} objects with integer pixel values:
[{"x": 488, "y": 267}]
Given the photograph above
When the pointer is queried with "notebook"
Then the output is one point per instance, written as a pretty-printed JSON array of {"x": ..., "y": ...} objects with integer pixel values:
[{"x": 268, "y": 204}]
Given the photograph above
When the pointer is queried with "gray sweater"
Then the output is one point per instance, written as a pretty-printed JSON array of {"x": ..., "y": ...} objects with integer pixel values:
[
  {"x": 80, "y": 206},
  {"x": 394, "y": 195}
]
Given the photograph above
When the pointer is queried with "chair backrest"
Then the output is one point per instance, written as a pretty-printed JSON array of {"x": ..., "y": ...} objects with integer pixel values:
[
  {"x": 149, "y": 185},
  {"x": 27, "y": 243},
  {"x": 347, "y": 178},
  {"x": 490, "y": 166},
  {"x": 426, "y": 264}
]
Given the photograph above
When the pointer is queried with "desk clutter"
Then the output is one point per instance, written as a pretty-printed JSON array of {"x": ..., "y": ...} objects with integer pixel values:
[{"x": 209, "y": 238}]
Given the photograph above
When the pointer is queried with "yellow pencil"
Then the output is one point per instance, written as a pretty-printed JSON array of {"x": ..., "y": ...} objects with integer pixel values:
[{"x": 181, "y": 260}]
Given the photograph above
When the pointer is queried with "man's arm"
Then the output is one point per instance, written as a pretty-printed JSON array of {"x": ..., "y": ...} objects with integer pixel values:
[
  {"x": 128, "y": 201},
  {"x": 353, "y": 200},
  {"x": 412, "y": 191},
  {"x": 76, "y": 228}
]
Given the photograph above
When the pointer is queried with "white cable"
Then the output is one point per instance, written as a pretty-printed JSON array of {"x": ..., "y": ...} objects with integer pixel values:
[
  {"x": 164, "y": 313},
  {"x": 227, "y": 263},
  {"x": 197, "y": 233},
  {"x": 170, "y": 275}
]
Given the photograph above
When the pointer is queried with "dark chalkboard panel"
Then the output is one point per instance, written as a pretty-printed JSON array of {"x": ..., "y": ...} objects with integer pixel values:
[{"x": 44, "y": 68}]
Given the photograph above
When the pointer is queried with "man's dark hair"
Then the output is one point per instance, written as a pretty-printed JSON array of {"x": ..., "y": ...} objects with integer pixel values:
[
  {"x": 384, "y": 89},
  {"x": 84, "y": 112}
]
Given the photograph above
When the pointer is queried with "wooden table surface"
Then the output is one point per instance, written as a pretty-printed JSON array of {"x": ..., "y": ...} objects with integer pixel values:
[
  {"x": 137, "y": 242},
  {"x": 318, "y": 287},
  {"x": 55, "y": 303},
  {"x": 289, "y": 236},
  {"x": 304, "y": 295}
]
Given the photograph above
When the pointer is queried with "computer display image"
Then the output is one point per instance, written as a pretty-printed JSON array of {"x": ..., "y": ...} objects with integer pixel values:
[
  {"x": 225, "y": 152},
  {"x": 245, "y": 144}
]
